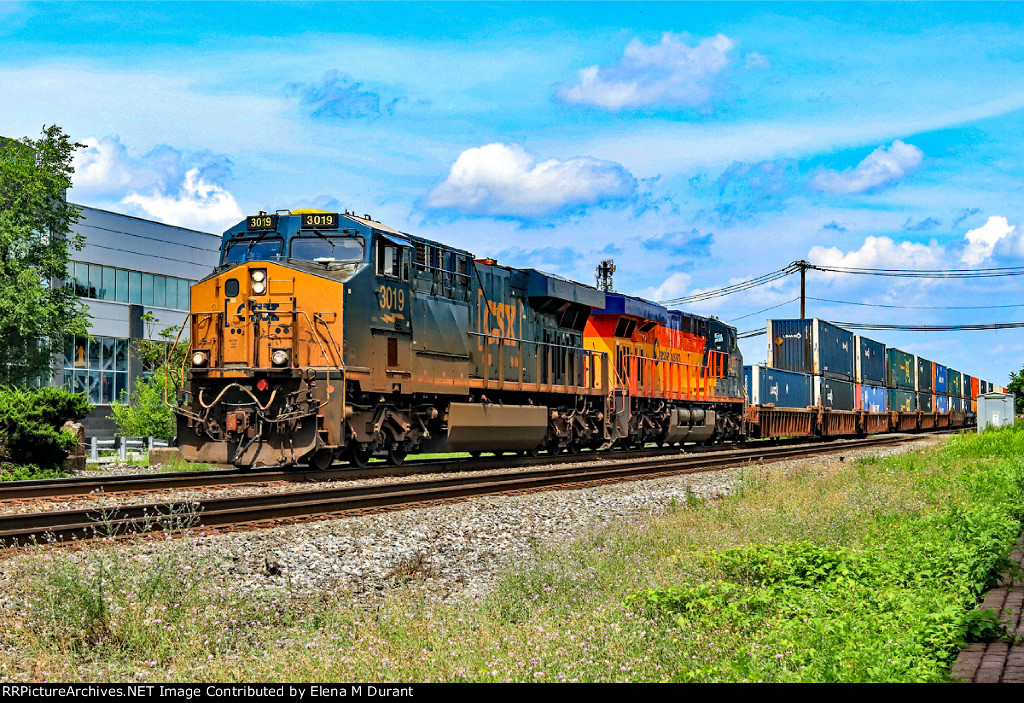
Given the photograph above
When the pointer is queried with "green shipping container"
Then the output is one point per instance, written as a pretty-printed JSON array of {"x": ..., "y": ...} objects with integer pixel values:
[
  {"x": 900, "y": 370},
  {"x": 902, "y": 401},
  {"x": 955, "y": 380}
]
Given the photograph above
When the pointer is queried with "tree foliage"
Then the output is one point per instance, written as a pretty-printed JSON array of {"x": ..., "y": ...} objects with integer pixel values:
[
  {"x": 146, "y": 414},
  {"x": 30, "y": 425},
  {"x": 35, "y": 234},
  {"x": 1016, "y": 386}
]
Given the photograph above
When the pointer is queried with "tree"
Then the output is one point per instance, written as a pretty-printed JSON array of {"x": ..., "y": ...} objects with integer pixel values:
[
  {"x": 36, "y": 316},
  {"x": 146, "y": 414},
  {"x": 1016, "y": 387}
]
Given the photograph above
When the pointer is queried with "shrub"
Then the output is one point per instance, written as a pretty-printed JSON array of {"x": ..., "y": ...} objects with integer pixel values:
[{"x": 30, "y": 422}]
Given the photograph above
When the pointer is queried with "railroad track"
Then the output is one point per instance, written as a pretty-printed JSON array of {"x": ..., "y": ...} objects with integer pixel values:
[
  {"x": 138, "y": 483},
  {"x": 271, "y": 509}
]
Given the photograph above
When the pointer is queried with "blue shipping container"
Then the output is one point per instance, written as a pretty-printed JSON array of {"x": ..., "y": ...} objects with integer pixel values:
[
  {"x": 874, "y": 399},
  {"x": 941, "y": 404},
  {"x": 940, "y": 379},
  {"x": 783, "y": 389},
  {"x": 956, "y": 405},
  {"x": 812, "y": 347},
  {"x": 870, "y": 361}
]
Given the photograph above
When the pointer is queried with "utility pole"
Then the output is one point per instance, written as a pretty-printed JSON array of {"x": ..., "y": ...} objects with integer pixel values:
[{"x": 803, "y": 287}]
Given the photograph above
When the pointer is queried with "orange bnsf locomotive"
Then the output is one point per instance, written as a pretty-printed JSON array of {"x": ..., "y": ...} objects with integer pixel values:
[{"x": 323, "y": 336}]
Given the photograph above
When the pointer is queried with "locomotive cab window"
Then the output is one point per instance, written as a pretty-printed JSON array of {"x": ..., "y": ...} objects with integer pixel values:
[
  {"x": 392, "y": 260},
  {"x": 326, "y": 249},
  {"x": 243, "y": 250}
]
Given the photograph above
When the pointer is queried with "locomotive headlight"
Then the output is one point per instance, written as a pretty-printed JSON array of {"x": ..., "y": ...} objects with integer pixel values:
[
  {"x": 259, "y": 282},
  {"x": 280, "y": 357},
  {"x": 199, "y": 359}
]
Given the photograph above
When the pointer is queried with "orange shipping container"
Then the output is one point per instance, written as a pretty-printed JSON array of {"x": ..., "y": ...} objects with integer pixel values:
[{"x": 974, "y": 388}]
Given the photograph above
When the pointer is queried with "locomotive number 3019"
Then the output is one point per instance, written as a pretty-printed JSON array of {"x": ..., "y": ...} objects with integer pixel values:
[{"x": 391, "y": 298}]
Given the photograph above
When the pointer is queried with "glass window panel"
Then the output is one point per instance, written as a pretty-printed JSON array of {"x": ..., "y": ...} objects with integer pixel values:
[
  {"x": 108, "y": 283},
  {"x": 121, "y": 386},
  {"x": 106, "y": 387},
  {"x": 147, "y": 289},
  {"x": 159, "y": 291},
  {"x": 121, "y": 286},
  {"x": 81, "y": 351},
  {"x": 121, "y": 355},
  {"x": 69, "y": 381},
  {"x": 183, "y": 299},
  {"x": 94, "y": 387},
  {"x": 94, "y": 353},
  {"x": 95, "y": 280},
  {"x": 81, "y": 381},
  {"x": 69, "y": 354},
  {"x": 81, "y": 279},
  {"x": 135, "y": 287},
  {"x": 108, "y": 344}
]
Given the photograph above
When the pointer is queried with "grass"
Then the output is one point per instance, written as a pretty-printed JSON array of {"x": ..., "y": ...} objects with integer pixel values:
[{"x": 866, "y": 570}]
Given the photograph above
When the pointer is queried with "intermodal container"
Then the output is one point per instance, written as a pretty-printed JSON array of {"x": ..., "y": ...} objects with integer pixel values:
[
  {"x": 872, "y": 398},
  {"x": 870, "y": 357},
  {"x": 925, "y": 375},
  {"x": 925, "y": 402},
  {"x": 955, "y": 380},
  {"x": 941, "y": 404},
  {"x": 834, "y": 393},
  {"x": 970, "y": 387},
  {"x": 900, "y": 370},
  {"x": 974, "y": 405},
  {"x": 902, "y": 401},
  {"x": 956, "y": 404},
  {"x": 783, "y": 389},
  {"x": 811, "y": 346},
  {"x": 940, "y": 379}
]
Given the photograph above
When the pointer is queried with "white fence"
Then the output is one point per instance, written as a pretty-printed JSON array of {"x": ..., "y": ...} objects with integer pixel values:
[{"x": 123, "y": 445}]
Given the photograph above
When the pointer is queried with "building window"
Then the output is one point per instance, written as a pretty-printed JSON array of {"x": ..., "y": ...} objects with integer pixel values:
[
  {"x": 97, "y": 367},
  {"x": 121, "y": 286}
]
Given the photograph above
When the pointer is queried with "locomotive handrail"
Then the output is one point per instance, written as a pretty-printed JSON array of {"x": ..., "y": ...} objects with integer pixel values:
[
  {"x": 588, "y": 375},
  {"x": 643, "y": 375}
]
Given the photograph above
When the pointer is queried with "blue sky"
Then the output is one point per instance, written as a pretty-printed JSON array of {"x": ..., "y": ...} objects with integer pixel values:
[{"x": 696, "y": 144}]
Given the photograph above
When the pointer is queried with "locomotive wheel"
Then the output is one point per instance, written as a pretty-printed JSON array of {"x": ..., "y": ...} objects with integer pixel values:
[
  {"x": 572, "y": 444},
  {"x": 475, "y": 455},
  {"x": 321, "y": 459},
  {"x": 359, "y": 457},
  {"x": 397, "y": 453},
  {"x": 533, "y": 452}
]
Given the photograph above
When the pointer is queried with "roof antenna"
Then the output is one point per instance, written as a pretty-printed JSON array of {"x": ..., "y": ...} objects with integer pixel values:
[{"x": 605, "y": 270}]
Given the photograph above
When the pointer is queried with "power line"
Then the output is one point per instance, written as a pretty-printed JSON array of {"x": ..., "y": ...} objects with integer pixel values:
[
  {"x": 916, "y": 307},
  {"x": 931, "y": 328},
  {"x": 734, "y": 288},
  {"x": 765, "y": 310},
  {"x": 923, "y": 273}
]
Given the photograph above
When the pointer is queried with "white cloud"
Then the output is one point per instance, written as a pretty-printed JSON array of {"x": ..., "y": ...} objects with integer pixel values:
[
  {"x": 879, "y": 252},
  {"x": 882, "y": 167},
  {"x": 103, "y": 167},
  {"x": 981, "y": 242},
  {"x": 675, "y": 286},
  {"x": 198, "y": 205},
  {"x": 669, "y": 73},
  {"x": 502, "y": 179}
]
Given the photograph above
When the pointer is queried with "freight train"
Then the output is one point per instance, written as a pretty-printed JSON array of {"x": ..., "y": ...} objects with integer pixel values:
[{"x": 326, "y": 336}]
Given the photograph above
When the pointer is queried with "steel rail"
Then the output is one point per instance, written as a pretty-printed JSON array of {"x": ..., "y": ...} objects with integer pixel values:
[
  {"x": 83, "y": 485},
  {"x": 62, "y": 526}
]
